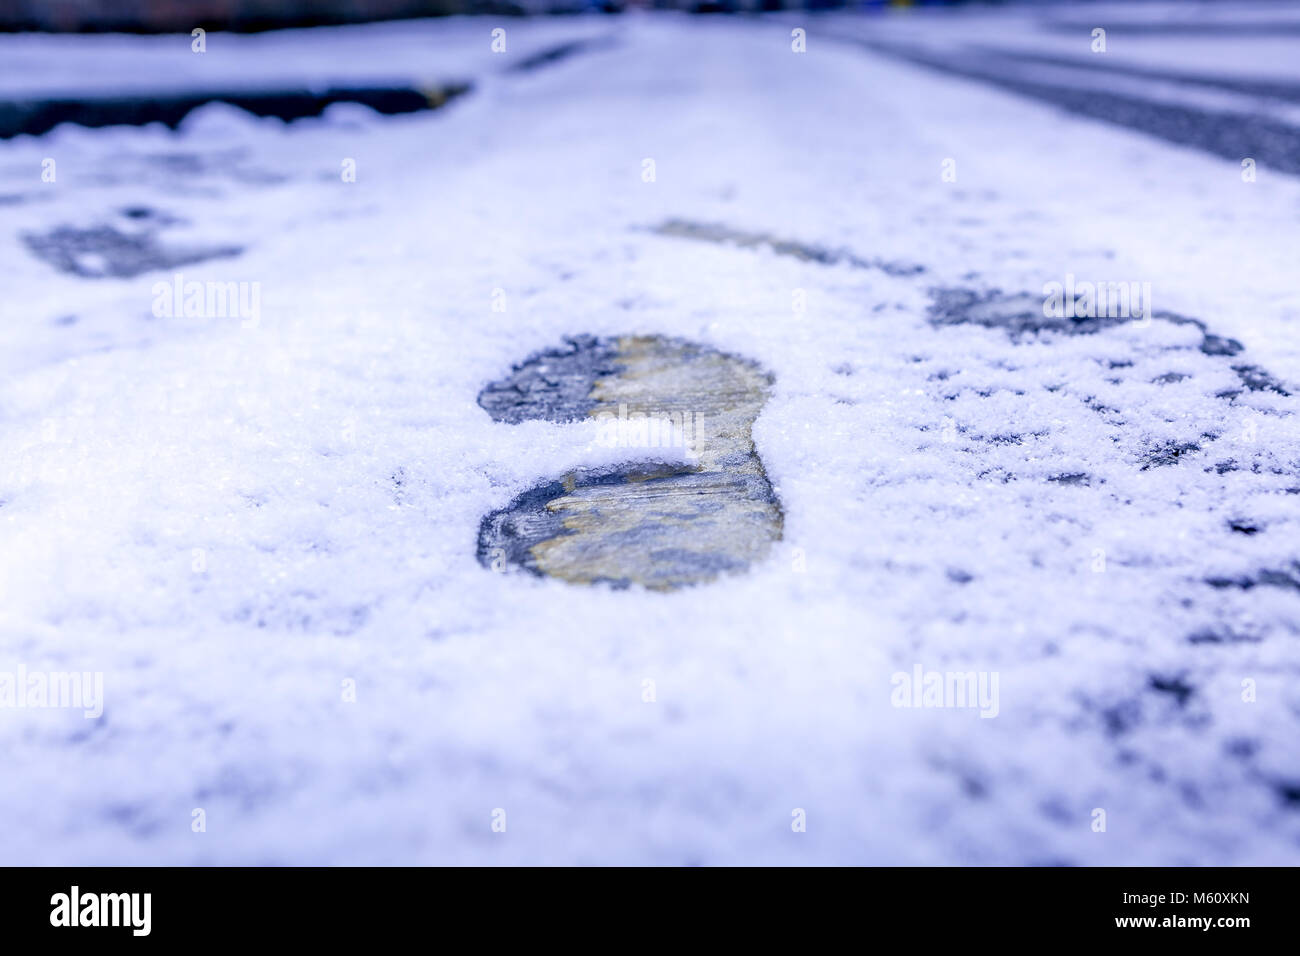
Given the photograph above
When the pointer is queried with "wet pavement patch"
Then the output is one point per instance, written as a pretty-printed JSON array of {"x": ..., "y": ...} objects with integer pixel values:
[
  {"x": 1019, "y": 315},
  {"x": 1175, "y": 686},
  {"x": 105, "y": 252},
  {"x": 660, "y": 525},
  {"x": 34, "y": 117},
  {"x": 1168, "y": 454},
  {"x": 725, "y": 235},
  {"x": 1022, "y": 315},
  {"x": 1221, "y": 635},
  {"x": 1230, "y": 135},
  {"x": 1265, "y": 89},
  {"x": 559, "y": 52},
  {"x": 1255, "y": 379},
  {"x": 1287, "y": 578}
]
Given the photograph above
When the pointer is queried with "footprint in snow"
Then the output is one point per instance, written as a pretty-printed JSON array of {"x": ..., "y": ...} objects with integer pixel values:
[{"x": 660, "y": 525}]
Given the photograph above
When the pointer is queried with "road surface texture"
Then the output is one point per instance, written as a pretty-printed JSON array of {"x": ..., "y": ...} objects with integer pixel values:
[{"x": 261, "y": 516}]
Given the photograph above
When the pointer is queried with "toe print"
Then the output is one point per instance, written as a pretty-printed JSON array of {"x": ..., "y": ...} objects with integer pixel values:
[{"x": 662, "y": 526}]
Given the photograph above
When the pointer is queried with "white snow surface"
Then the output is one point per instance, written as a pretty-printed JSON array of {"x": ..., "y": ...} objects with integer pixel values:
[
  {"x": 406, "y": 51},
  {"x": 326, "y": 469}
]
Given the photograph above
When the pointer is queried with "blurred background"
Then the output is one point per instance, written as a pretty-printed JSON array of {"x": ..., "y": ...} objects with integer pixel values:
[{"x": 164, "y": 16}]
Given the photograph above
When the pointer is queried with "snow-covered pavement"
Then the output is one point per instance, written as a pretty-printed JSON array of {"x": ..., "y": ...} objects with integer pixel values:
[{"x": 261, "y": 526}]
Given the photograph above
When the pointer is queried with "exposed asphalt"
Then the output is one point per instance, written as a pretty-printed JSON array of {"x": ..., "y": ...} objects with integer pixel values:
[{"x": 1229, "y": 134}]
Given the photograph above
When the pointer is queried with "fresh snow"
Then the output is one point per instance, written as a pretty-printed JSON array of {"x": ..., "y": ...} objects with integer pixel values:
[{"x": 230, "y": 520}]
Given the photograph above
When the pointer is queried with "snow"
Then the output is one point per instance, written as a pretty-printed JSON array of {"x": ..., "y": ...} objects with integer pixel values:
[
  {"x": 230, "y": 522},
  {"x": 408, "y": 51}
]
